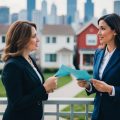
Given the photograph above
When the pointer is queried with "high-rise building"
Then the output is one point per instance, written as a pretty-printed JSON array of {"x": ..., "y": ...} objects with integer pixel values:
[
  {"x": 13, "y": 17},
  {"x": 30, "y": 8},
  {"x": 104, "y": 12},
  {"x": 4, "y": 15},
  {"x": 117, "y": 7},
  {"x": 71, "y": 9},
  {"x": 37, "y": 19},
  {"x": 89, "y": 10},
  {"x": 22, "y": 15},
  {"x": 44, "y": 11},
  {"x": 53, "y": 15},
  {"x": 53, "y": 9}
]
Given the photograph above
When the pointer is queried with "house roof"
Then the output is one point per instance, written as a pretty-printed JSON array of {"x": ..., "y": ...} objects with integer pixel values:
[
  {"x": 64, "y": 49},
  {"x": 57, "y": 30},
  {"x": 3, "y": 29},
  {"x": 93, "y": 21}
]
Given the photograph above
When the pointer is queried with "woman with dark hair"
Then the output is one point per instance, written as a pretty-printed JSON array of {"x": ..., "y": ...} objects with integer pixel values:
[
  {"x": 23, "y": 81},
  {"x": 106, "y": 71}
]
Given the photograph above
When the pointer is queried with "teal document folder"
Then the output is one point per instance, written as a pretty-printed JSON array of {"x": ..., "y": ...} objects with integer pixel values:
[{"x": 79, "y": 74}]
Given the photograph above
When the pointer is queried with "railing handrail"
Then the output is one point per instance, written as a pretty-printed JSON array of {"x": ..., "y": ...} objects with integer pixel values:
[{"x": 62, "y": 101}]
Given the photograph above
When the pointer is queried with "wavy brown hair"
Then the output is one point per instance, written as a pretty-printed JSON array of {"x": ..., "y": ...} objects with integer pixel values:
[{"x": 18, "y": 35}]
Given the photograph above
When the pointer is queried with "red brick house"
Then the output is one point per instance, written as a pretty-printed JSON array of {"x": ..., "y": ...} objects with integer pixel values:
[{"x": 86, "y": 43}]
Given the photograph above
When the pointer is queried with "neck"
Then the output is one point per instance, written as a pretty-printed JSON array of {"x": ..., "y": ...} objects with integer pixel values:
[
  {"x": 25, "y": 55},
  {"x": 110, "y": 47}
]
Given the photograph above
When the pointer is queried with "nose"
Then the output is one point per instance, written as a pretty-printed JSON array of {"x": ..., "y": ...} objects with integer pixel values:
[
  {"x": 99, "y": 33},
  {"x": 37, "y": 39}
]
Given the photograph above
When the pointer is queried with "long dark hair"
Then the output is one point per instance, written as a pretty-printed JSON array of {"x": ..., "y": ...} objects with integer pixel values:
[
  {"x": 113, "y": 21},
  {"x": 17, "y": 37}
]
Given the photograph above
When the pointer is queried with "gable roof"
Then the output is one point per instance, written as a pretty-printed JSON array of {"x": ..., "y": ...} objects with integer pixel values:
[
  {"x": 64, "y": 49},
  {"x": 93, "y": 21},
  {"x": 57, "y": 30}
]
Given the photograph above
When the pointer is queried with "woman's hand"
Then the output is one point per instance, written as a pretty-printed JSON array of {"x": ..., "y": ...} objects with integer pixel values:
[
  {"x": 50, "y": 84},
  {"x": 83, "y": 83},
  {"x": 101, "y": 86}
]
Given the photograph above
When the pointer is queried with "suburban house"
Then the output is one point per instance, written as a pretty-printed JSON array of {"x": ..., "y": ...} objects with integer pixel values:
[
  {"x": 57, "y": 45},
  {"x": 87, "y": 42},
  {"x": 3, "y": 30}
]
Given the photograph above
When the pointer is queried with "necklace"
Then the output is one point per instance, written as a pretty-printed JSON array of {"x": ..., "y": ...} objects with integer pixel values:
[{"x": 29, "y": 60}]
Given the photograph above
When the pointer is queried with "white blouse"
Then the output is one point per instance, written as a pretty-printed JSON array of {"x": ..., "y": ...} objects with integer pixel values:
[{"x": 105, "y": 61}]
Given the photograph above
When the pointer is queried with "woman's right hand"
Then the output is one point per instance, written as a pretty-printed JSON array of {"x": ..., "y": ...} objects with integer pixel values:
[
  {"x": 50, "y": 84},
  {"x": 83, "y": 83}
]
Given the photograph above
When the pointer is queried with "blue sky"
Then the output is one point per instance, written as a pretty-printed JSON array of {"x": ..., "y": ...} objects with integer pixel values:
[{"x": 17, "y": 5}]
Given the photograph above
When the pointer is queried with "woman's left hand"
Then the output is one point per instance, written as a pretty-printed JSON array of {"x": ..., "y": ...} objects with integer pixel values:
[{"x": 101, "y": 86}]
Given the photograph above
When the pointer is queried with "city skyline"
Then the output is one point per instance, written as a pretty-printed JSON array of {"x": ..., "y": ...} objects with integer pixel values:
[{"x": 61, "y": 6}]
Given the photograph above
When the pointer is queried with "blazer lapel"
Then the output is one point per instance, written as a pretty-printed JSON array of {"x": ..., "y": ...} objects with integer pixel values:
[
  {"x": 113, "y": 60},
  {"x": 28, "y": 67},
  {"x": 98, "y": 61},
  {"x": 38, "y": 69}
]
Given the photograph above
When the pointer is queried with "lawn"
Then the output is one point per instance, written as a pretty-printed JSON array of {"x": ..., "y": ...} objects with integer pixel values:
[
  {"x": 2, "y": 90},
  {"x": 79, "y": 107},
  {"x": 61, "y": 82}
]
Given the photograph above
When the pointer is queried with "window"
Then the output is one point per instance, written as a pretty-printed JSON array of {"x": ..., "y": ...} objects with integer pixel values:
[
  {"x": 68, "y": 40},
  {"x": 50, "y": 57},
  {"x": 91, "y": 39},
  {"x": 47, "y": 39},
  {"x": 3, "y": 39},
  {"x": 54, "y": 40},
  {"x": 88, "y": 59}
]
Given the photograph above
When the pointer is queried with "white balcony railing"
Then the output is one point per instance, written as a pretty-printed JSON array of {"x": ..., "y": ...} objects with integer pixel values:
[{"x": 58, "y": 103}]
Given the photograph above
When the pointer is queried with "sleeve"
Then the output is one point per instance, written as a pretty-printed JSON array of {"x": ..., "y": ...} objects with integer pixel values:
[
  {"x": 117, "y": 92},
  {"x": 12, "y": 78},
  {"x": 93, "y": 90}
]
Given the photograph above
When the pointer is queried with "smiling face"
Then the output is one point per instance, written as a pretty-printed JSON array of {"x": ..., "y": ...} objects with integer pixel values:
[
  {"x": 105, "y": 34},
  {"x": 34, "y": 41}
]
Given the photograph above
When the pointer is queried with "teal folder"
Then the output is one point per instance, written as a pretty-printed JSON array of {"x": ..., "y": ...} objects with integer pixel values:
[{"x": 79, "y": 74}]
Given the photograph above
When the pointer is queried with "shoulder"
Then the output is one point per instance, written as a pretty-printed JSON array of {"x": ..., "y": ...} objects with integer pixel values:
[
  {"x": 98, "y": 51},
  {"x": 12, "y": 63}
]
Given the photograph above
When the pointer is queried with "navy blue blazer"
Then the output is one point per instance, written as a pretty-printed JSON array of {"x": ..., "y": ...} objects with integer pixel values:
[
  {"x": 108, "y": 105},
  {"x": 24, "y": 90}
]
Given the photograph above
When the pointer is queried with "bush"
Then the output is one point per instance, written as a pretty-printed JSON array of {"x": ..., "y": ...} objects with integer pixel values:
[{"x": 50, "y": 70}]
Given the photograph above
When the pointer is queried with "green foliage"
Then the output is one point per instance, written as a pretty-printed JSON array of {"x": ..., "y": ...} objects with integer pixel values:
[
  {"x": 50, "y": 70},
  {"x": 2, "y": 90}
]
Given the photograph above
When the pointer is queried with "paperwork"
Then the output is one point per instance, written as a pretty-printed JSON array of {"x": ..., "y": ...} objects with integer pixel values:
[{"x": 79, "y": 74}]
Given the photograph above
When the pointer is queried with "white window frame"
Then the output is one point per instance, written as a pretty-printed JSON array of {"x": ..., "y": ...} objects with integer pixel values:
[{"x": 90, "y": 37}]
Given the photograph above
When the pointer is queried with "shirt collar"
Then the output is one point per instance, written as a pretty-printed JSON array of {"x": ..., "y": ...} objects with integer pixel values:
[{"x": 109, "y": 53}]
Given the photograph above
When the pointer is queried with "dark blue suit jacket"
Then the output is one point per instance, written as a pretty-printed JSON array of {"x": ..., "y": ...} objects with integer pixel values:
[
  {"x": 108, "y": 105},
  {"x": 24, "y": 90}
]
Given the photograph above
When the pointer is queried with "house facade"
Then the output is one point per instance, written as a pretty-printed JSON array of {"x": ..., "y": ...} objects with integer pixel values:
[
  {"x": 56, "y": 46},
  {"x": 3, "y": 30},
  {"x": 87, "y": 43}
]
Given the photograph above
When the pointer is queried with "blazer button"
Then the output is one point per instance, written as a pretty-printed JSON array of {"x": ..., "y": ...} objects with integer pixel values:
[{"x": 39, "y": 103}]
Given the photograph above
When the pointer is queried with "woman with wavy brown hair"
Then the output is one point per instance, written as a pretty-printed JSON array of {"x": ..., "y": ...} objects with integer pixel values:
[{"x": 23, "y": 81}]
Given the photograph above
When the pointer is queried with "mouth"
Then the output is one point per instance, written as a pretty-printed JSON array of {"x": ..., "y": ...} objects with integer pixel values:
[{"x": 100, "y": 38}]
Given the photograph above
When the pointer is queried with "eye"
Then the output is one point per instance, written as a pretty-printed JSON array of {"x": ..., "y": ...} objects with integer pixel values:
[
  {"x": 102, "y": 28},
  {"x": 34, "y": 36}
]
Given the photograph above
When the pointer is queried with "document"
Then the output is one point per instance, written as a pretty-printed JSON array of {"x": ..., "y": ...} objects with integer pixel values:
[{"x": 79, "y": 74}]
